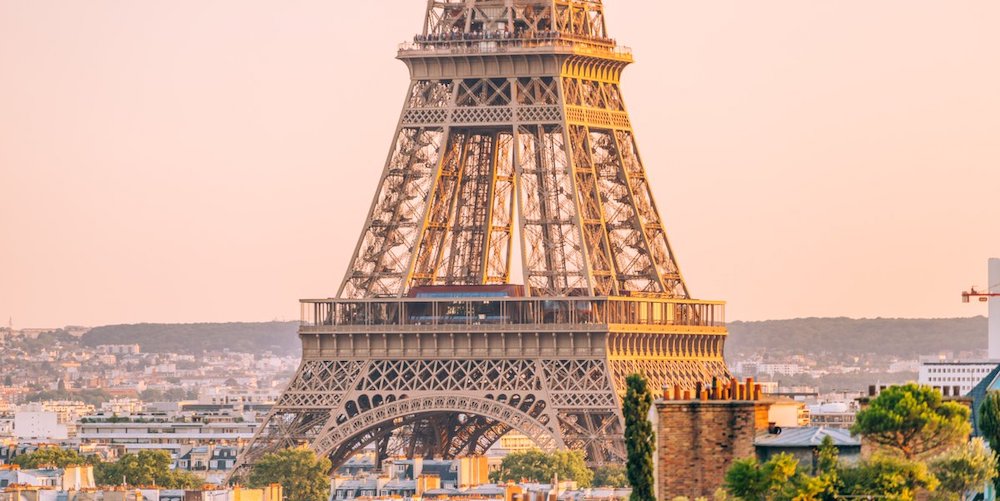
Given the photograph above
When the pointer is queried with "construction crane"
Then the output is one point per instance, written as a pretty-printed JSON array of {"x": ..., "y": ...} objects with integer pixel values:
[{"x": 983, "y": 296}]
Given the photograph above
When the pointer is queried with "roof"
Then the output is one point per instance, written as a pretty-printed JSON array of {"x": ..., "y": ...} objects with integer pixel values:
[
  {"x": 356, "y": 484},
  {"x": 486, "y": 489},
  {"x": 809, "y": 436},
  {"x": 401, "y": 485},
  {"x": 442, "y": 492},
  {"x": 989, "y": 383}
]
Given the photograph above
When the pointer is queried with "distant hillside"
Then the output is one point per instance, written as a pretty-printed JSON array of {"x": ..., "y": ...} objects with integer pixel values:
[
  {"x": 903, "y": 338},
  {"x": 278, "y": 337},
  {"x": 906, "y": 338}
]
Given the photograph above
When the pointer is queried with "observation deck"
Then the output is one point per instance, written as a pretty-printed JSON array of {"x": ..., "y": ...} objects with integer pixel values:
[
  {"x": 617, "y": 328},
  {"x": 507, "y": 313}
]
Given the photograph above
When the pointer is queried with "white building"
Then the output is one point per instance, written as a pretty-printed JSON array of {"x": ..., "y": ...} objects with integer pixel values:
[
  {"x": 38, "y": 425},
  {"x": 954, "y": 378},
  {"x": 227, "y": 396},
  {"x": 780, "y": 369},
  {"x": 167, "y": 434},
  {"x": 119, "y": 349},
  {"x": 122, "y": 406}
]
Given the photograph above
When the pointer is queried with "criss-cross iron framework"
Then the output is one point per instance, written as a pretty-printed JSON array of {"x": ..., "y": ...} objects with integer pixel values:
[{"x": 514, "y": 131}]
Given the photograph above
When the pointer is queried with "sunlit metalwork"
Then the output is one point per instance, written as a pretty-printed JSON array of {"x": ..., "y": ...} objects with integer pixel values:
[{"x": 514, "y": 141}]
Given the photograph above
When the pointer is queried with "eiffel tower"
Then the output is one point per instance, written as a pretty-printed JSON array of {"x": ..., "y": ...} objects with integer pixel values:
[{"x": 513, "y": 132}]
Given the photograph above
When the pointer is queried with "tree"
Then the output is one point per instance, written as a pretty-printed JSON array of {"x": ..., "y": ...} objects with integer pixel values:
[
  {"x": 50, "y": 456},
  {"x": 146, "y": 468},
  {"x": 888, "y": 477},
  {"x": 537, "y": 466},
  {"x": 989, "y": 424},
  {"x": 610, "y": 476},
  {"x": 8, "y": 380},
  {"x": 828, "y": 457},
  {"x": 965, "y": 469},
  {"x": 778, "y": 478},
  {"x": 826, "y": 483},
  {"x": 913, "y": 421},
  {"x": 639, "y": 438},
  {"x": 302, "y": 475}
]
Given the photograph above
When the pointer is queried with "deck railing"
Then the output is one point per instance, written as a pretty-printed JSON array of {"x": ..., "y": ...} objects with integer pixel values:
[
  {"x": 499, "y": 44},
  {"x": 485, "y": 312}
]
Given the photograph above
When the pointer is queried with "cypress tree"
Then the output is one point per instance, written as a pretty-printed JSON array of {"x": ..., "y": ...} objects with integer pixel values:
[
  {"x": 639, "y": 438},
  {"x": 989, "y": 424}
]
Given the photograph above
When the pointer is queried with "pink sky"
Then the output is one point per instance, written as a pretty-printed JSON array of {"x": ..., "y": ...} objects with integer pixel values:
[{"x": 214, "y": 160}]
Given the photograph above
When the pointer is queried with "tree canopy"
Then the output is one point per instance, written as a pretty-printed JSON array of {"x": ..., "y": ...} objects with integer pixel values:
[
  {"x": 303, "y": 476},
  {"x": 780, "y": 479},
  {"x": 145, "y": 468},
  {"x": 965, "y": 468},
  {"x": 913, "y": 421},
  {"x": 50, "y": 456},
  {"x": 750, "y": 480},
  {"x": 989, "y": 425},
  {"x": 610, "y": 476},
  {"x": 537, "y": 466},
  {"x": 890, "y": 477}
]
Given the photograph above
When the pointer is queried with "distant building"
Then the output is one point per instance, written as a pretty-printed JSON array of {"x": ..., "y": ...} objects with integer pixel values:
[
  {"x": 228, "y": 396},
  {"x": 59, "y": 485},
  {"x": 780, "y": 369},
  {"x": 67, "y": 412},
  {"x": 122, "y": 406},
  {"x": 176, "y": 435},
  {"x": 453, "y": 473},
  {"x": 954, "y": 378},
  {"x": 904, "y": 366},
  {"x": 788, "y": 413},
  {"x": 840, "y": 415},
  {"x": 119, "y": 349},
  {"x": 38, "y": 425},
  {"x": 803, "y": 444},
  {"x": 513, "y": 441},
  {"x": 222, "y": 458}
]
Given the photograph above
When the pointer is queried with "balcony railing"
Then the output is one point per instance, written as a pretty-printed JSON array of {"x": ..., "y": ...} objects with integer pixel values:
[
  {"x": 510, "y": 311},
  {"x": 479, "y": 43}
]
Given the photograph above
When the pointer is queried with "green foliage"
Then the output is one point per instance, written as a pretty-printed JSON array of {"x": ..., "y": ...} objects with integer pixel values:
[
  {"x": 47, "y": 340},
  {"x": 888, "y": 477},
  {"x": 537, "y": 466},
  {"x": 913, "y": 421},
  {"x": 302, "y": 475},
  {"x": 91, "y": 397},
  {"x": 883, "y": 477},
  {"x": 964, "y": 469},
  {"x": 146, "y": 468},
  {"x": 777, "y": 479},
  {"x": 193, "y": 339},
  {"x": 50, "y": 456},
  {"x": 989, "y": 425},
  {"x": 828, "y": 456},
  {"x": 989, "y": 419},
  {"x": 610, "y": 476},
  {"x": 639, "y": 438},
  {"x": 170, "y": 395}
]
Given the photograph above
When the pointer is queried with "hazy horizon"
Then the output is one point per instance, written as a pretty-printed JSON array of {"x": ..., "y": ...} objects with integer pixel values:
[{"x": 209, "y": 161}]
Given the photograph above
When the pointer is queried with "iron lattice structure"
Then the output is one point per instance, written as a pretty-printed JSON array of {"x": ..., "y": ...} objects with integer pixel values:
[{"x": 514, "y": 131}]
